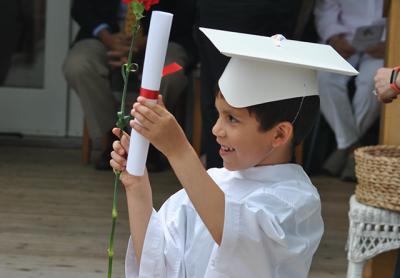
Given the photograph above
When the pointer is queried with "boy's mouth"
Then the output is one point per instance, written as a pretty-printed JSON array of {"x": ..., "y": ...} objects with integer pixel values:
[{"x": 227, "y": 149}]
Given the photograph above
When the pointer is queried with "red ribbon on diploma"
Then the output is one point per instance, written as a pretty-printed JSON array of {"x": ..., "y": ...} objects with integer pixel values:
[{"x": 150, "y": 94}]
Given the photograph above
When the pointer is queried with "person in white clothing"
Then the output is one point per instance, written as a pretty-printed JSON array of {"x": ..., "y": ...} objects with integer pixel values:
[
  {"x": 336, "y": 23},
  {"x": 259, "y": 215}
]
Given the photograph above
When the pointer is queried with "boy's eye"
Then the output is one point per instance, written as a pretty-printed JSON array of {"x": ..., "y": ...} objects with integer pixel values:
[{"x": 232, "y": 119}]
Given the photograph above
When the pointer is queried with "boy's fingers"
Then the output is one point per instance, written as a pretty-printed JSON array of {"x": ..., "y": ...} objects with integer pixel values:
[
  {"x": 155, "y": 107},
  {"x": 116, "y": 166},
  {"x": 118, "y": 148},
  {"x": 117, "y": 132},
  {"x": 118, "y": 158},
  {"x": 143, "y": 120},
  {"x": 140, "y": 129},
  {"x": 125, "y": 142},
  {"x": 142, "y": 111},
  {"x": 148, "y": 103},
  {"x": 123, "y": 136},
  {"x": 123, "y": 177},
  {"x": 160, "y": 101},
  {"x": 126, "y": 135}
]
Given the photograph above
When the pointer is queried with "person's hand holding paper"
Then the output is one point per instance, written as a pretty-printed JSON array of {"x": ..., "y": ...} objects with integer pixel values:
[
  {"x": 341, "y": 45},
  {"x": 377, "y": 50},
  {"x": 369, "y": 39}
]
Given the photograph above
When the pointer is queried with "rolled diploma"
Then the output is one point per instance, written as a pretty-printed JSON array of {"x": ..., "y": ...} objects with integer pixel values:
[{"x": 156, "y": 49}]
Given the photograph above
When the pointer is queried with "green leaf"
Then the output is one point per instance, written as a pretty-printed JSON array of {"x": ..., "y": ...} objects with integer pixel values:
[
  {"x": 127, "y": 119},
  {"x": 138, "y": 9},
  {"x": 121, "y": 120}
]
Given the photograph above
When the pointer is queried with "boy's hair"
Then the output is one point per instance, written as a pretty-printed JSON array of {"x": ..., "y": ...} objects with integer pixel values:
[{"x": 302, "y": 113}]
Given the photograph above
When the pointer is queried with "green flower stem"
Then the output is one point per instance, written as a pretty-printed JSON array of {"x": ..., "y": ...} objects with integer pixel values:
[
  {"x": 122, "y": 122},
  {"x": 114, "y": 214},
  {"x": 126, "y": 69}
]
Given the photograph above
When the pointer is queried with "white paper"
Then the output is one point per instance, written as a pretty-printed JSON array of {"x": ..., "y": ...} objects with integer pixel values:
[
  {"x": 366, "y": 36},
  {"x": 156, "y": 49}
]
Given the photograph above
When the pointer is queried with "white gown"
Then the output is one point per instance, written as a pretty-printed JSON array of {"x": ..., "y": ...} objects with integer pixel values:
[{"x": 272, "y": 228}]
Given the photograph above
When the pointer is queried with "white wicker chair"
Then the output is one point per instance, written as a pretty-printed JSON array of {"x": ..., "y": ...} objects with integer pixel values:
[{"x": 371, "y": 231}]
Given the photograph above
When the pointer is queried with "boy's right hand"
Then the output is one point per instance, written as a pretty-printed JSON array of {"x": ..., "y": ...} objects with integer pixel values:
[
  {"x": 120, "y": 150},
  {"x": 119, "y": 159}
]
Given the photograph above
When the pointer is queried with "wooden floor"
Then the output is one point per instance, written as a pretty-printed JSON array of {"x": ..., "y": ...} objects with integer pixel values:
[{"x": 55, "y": 216}]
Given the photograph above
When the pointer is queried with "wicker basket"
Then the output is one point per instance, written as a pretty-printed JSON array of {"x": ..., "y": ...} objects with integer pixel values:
[{"x": 378, "y": 176}]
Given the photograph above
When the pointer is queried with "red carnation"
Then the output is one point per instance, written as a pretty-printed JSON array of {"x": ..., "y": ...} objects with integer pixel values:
[{"x": 147, "y": 3}]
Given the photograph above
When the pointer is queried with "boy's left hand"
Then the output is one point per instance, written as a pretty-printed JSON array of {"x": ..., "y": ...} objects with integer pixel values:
[{"x": 159, "y": 126}]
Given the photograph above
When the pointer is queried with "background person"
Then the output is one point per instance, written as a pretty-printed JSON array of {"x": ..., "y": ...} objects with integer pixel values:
[{"x": 336, "y": 22}]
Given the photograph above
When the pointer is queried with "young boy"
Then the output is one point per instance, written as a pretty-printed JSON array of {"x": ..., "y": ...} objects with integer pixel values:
[{"x": 259, "y": 215}]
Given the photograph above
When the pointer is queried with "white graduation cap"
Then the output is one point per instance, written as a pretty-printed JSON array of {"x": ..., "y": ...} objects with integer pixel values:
[{"x": 263, "y": 69}]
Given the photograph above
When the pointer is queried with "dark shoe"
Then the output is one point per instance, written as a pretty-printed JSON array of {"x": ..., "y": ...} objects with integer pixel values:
[
  {"x": 335, "y": 163},
  {"x": 349, "y": 170}
]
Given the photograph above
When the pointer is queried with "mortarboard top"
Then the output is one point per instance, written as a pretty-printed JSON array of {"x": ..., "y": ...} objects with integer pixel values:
[{"x": 262, "y": 70}]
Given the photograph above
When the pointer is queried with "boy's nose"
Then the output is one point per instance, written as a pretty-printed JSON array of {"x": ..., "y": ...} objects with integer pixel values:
[{"x": 217, "y": 130}]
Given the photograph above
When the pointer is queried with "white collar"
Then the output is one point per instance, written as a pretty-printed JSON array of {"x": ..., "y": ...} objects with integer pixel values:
[{"x": 270, "y": 173}]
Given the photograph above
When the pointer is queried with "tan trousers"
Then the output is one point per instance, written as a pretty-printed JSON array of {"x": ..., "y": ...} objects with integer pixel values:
[{"x": 87, "y": 72}]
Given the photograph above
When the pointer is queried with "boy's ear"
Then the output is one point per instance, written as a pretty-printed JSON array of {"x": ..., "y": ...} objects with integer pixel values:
[{"x": 283, "y": 133}]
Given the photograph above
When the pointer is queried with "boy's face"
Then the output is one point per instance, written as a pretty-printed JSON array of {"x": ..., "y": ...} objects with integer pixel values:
[{"x": 243, "y": 145}]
